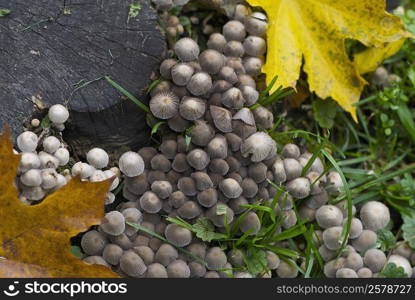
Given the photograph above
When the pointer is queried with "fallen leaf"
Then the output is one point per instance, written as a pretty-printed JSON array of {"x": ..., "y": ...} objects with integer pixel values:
[
  {"x": 35, "y": 240},
  {"x": 316, "y": 31},
  {"x": 369, "y": 59}
]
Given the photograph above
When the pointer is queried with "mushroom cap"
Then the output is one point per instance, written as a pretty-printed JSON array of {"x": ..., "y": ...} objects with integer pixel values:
[
  {"x": 166, "y": 254},
  {"x": 166, "y": 67},
  {"x": 164, "y": 105},
  {"x": 112, "y": 254},
  {"x": 150, "y": 203},
  {"x": 178, "y": 124},
  {"x": 189, "y": 210},
  {"x": 219, "y": 166},
  {"x": 202, "y": 133},
  {"x": 93, "y": 242},
  {"x": 255, "y": 46},
  {"x": 299, "y": 188},
  {"x": 187, "y": 185},
  {"x": 219, "y": 220},
  {"x": 228, "y": 74},
  {"x": 374, "y": 215},
  {"x": 253, "y": 66},
  {"x": 181, "y": 74},
  {"x": 160, "y": 163},
  {"x": 328, "y": 216},
  {"x": 291, "y": 151},
  {"x": 375, "y": 260},
  {"x": 273, "y": 261},
  {"x": 233, "y": 98},
  {"x": 162, "y": 188},
  {"x": 203, "y": 181},
  {"x": 346, "y": 273},
  {"x": 234, "y": 31},
  {"x": 366, "y": 240},
  {"x": 168, "y": 148},
  {"x": 180, "y": 163},
  {"x": 234, "y": 141},
  {"x": 147, "y": 153},
  {"x": 198, "y": 159},
  {"x": 287, "y": 270},
  {"x": 200, "y": 84},
  {"x": 401, "y": 261},
  {"x": 264, "y": 118},
  {"x": 215, "y": 258},
  {"x": 259, "y": 145},
  {"x": 250, "y": 223},
  {"x": 332, "y": 237},
  {"x": 230, "y": 188},
  {"x": 178, "y": 269},
  {"x": 216, "y": 41},
  {"x": 217, "y": 147},
  {"x": 364, "y": 273},
  {"x": 236, "y": 205},
  {"x": 249, "y": 187},
  {"x": 208, "y": 197},
  {"x": 27, "y": 141},
  {"x": 132, "y": 264},
  {"x": 178, "y": 235},
  {"x": 113, "y": 223},
  {"x": 258, "y": 172},
  {"x": 131, "y": 164},
  {"x": 245, "y": 115},
  {"x": 356, "y": 228},
  {"x": 234, "y": 49},
  {"x": 197, "y": 270},
  {"x": 256, "y": 24},
  {"x": 156, "y": 270},
  {"x": 186, "y": 49},
  {"x": 211, "y": 61},
  {"x": 58, "y": 114},
  {"x": 192, "y": 108},
  {"x": 222, "y": 118}
]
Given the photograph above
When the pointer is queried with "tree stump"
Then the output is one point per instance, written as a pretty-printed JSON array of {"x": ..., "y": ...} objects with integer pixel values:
[{"x": 58, "y": 51}]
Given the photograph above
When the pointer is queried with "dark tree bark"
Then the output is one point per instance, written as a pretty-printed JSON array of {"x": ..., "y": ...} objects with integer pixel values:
[{"x": 49, "y": 49}]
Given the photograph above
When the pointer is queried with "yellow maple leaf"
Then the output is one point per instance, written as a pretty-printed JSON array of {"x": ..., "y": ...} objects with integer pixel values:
[
  {"x": 35, "y": 240},
  {"x": 316, "y": 31}
]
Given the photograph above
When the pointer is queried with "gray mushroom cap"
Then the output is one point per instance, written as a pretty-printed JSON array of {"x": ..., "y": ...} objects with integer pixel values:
[
  {"x": 192, "y": 108},
  {"x": 198, "y": 159},
  {"x": 222, "y": 118},
  {"x": 259, "y": 145},
  {"x": 230, "y": 187},
  {"x": 164, "y": 105},
  {"x": 245, "y": 115},
  {"x": 186, "y": 49},
  {"x": 217, "y": 147}
]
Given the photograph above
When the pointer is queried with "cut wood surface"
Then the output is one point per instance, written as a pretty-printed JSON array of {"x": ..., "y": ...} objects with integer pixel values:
[{"x": 58, "y": 52}]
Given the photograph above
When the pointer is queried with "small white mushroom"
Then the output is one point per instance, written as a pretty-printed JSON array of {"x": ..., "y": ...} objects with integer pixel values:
[
  {"x": 58, "y": 114},
  {"x": 98, "y": 158},
  {"x": 131, "y": 164},
  {"x": 27, "y": 141}
]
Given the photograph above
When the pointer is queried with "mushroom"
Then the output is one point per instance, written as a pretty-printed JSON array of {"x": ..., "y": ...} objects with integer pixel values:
[
  {"x": 164, "y": 105},
  {"x": 259, "y": 145},
  {"x": 222, "y": 118},
  {"x": 186, "y": 49}
]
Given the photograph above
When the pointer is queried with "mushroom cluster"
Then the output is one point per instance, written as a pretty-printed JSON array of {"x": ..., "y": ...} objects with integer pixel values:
[
  {"x": 41, "y": 156},
  {"x": 360, "y": 258},
  {"x": 215, "y": 155},
  {"x": 45, "y": 159}
]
